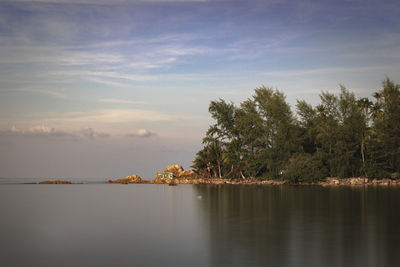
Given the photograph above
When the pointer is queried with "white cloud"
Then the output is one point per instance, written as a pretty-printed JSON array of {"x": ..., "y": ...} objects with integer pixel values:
[
  {"x": 38, "y": 130},
  {"x": 86, "y": 132},
  {"x": 141, "y": 133},
  {"x": 46, "y": 131}
]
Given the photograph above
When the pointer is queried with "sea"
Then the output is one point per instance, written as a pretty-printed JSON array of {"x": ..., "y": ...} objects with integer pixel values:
[{"x": 99, "y": 224}]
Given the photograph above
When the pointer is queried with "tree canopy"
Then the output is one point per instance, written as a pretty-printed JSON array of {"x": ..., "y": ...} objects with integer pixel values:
[{"x": 341, "y": 137}]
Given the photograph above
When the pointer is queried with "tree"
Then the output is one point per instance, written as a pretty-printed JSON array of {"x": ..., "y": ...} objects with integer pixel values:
[
  {"x": 307, "y": 125},
  {"x": 342, "y": 136},
  {"x": 327, "y": 123},
  {"x": 352, "y": 130},
  {"x": 278, "y": 132},
  {"x": 386, "y": 127}
]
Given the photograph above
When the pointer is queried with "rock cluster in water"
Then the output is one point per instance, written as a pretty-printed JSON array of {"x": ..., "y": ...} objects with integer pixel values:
[
  {"x": 132, "y": 179},
  {"x": 180, "y": 176},
  {"x": 55, "y": 182}
]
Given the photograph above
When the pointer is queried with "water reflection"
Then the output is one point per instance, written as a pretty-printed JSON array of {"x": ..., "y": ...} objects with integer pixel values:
[
  {"x": 160, "y": 225},
  {"x": 301, "y": 226}
]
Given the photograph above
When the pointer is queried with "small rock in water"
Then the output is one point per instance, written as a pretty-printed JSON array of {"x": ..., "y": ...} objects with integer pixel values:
[{"x": 199, "y": 196}]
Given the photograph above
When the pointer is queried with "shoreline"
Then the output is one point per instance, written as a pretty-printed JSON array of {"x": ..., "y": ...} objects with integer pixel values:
[
  {"x": 175, "y": 174},
  {"x": 355, "y": 181}
]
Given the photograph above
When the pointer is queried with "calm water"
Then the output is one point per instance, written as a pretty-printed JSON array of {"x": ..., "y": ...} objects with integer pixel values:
[{"x": 157, "y": 225}]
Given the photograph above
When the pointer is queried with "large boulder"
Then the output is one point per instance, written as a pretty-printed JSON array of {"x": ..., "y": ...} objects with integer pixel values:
[
  {"x": 175, "y": 169},
  {"x": 178, "y": 171}
]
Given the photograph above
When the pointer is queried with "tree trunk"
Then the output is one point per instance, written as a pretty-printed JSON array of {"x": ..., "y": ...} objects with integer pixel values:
[{"x": 363, "y": 155}]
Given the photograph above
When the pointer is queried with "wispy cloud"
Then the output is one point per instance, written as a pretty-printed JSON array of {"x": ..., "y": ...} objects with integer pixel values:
[
  {"x": 109, "y": 78},
  {"x": 35, "y": 90},
  {"x": 111, "y": 116},
  {"x": 107, "y": 82},
  {"x": 105, "y": 2},
  {"x": 153, "y": 64},
  {"x": 120, "y": 79},
  {"x": 121, "y": 101},
  {"x": 57, "y": 55},
  {"x": 317, "y": 71}
]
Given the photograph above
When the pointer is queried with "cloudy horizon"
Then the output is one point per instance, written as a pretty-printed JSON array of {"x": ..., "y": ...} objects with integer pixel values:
[{"x": 92, "y": 89}]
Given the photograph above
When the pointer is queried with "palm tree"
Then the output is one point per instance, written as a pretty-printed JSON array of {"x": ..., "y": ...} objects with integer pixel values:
[
  {"x": 364, "y": 104},
  {"x": 377, "y": 95},
  {"x": 376, "y": 111}
]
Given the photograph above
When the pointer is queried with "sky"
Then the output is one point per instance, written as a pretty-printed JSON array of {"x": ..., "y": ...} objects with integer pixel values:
[{"x": 94, "y": 89}]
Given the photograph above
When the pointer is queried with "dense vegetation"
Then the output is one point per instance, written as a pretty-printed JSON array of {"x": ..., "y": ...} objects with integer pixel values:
[{"x": 341, "y": 137}]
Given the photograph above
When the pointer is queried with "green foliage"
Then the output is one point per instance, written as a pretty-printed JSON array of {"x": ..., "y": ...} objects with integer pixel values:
[
  {"x": 305, "y": 168},
  {"x": 387, "y": 123},
  {"x": 341, "y": 137}
]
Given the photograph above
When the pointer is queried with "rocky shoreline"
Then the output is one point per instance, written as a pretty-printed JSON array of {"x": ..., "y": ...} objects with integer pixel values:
[
  {"x": 181, "y": 176},
  {"x": 252, "y": 181},
  {"x": 135, "y": 179}
]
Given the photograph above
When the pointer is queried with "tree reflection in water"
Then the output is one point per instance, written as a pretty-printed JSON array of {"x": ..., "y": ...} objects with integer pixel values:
[{"x": 301, "y": 226}]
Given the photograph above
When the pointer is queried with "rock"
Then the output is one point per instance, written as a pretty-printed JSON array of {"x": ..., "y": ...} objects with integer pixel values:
[
  {"x": 332, "y": 181},
  {"x": 385, "y": 182},
  {"x": 55, "y": 182},
  {"x": 356, "y": 181},
  {"x": 178, "y": 171},
  {"x": 132, "y": 179},
  {"x": 158, "y": 180}
]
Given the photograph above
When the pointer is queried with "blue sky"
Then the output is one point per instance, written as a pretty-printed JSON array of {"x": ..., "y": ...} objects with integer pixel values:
[{"x": 92, "y": 89}]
